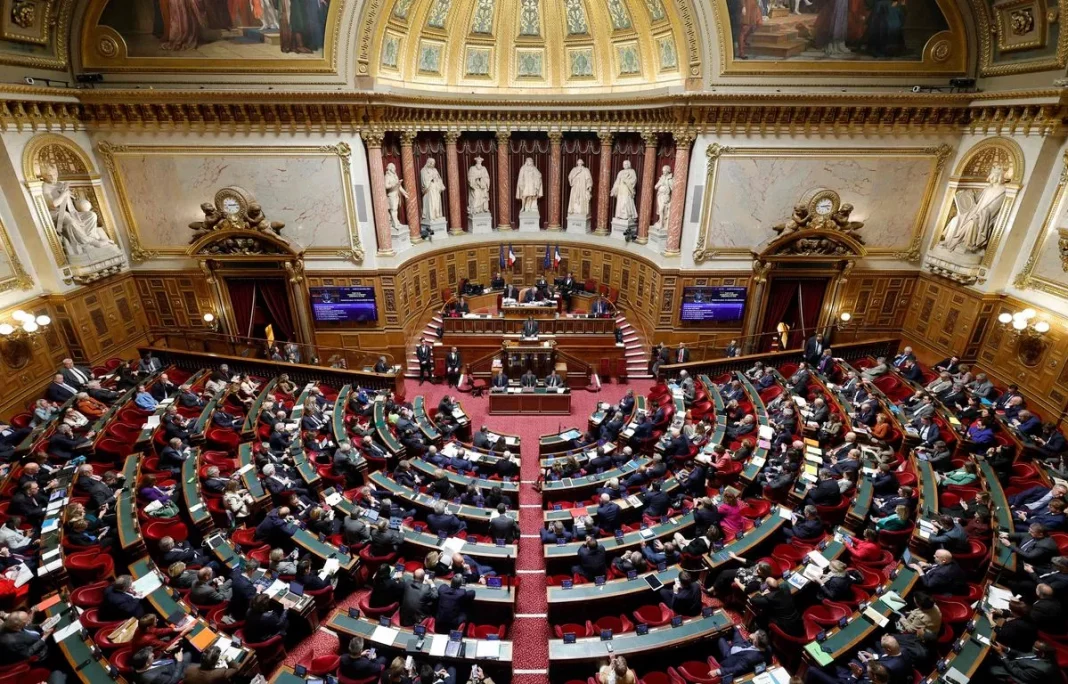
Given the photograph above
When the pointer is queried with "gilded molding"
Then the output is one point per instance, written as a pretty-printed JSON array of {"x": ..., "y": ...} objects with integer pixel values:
[
  {"x": 58, "y": 30},
  {"x": 1026, "y": 279},
  {"x": 714, "y": 152},
  {"x": 19, "y": 279},
  {"x": 986, "y": 30}
]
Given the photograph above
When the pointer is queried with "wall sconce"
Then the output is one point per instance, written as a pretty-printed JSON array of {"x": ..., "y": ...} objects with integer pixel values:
[
  {"x": 210, "y": 322},
  {"x": 843, "y": 320},
  {"x": 24, "y": 325},
  {"x": 1021, "y": 323}
]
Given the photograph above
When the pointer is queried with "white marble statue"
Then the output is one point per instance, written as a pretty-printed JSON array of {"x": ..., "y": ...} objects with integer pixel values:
[
  {"x": 623, "y": 190},
  {"x": 76, "y": 224},
  {"x": 433, "y": 188},
  {"x": 581, "y": 182},
  {"x": 394, "y": 191},
  {"x": 478, "y": 186},
  {"x": 528, "y": 187},
  {"x": 970, "y": 229},
  {"x": 664, "y": 187}
]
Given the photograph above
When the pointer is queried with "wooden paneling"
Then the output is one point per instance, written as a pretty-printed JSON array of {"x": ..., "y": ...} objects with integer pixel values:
[
  {"x": 945, "y": 317},
  {"x": 879, "y": 302},
  {"x": 174, "y": 300}
]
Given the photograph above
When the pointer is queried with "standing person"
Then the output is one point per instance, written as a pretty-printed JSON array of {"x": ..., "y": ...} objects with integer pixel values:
[
  {"x": 425, "y": 354},
  {"x": 453, "y": 363}
]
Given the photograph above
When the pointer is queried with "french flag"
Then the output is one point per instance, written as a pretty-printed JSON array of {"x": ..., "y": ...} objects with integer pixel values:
[
  {"x": 511, "y": 257},
  {"x": 556, "y": 258}
]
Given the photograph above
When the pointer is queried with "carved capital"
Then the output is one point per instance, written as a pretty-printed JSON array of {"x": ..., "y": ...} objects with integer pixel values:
[
  {"x": 651, "y": 138},
  {"x": 941, "y": 153},
  {"x": 372, "y": 137},
  {"x": 605, "y": 137},
  {"x": 555, "y": 137},
  {"x": 407, "y": 138},
  {"x": 452, "y": 137},
  {"x": 715, "y": 151}
]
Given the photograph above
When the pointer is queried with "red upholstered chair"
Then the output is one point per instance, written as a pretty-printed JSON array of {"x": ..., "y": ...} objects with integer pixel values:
[
  {"x": 21, "y": 420},
  {"x": 974, "y": 558},
  {"x": 755, "y": 508},
  {"x": 788, "y": 552},
  {"x": 886, "y": 559},
  {"x": 324, "y": 599},
  {"x": 654, "y": 616},
  {"x": 367, "y": 610},
  {"x": 895, "y": 539},
  {"x": 618, "y": 625},
  {"x": 91, "y": 620},
  {"x": 697, "y": 672},
  {"x": 321, "y": 665},
  {"x": 89, "y": 566},
  {"x": 827, "y": 614},
  {"x": 156, "y": 530},
  {"x": 90, "y": 595},
  {"x": 121, "y": 660},
  {"x": 101, "y": 639},
  {"x": 270, "y": 653},
  {"x": 222, "y": 439},
  {"x": 834, "y": 515},
  {"x": 372, "y": 562},
  {"x": 954, "y": 612},
  {"x": 788, "y": 647},
  {"x": 215, "y": 617},
  {"x": 483, "y": 631},
  {"x": 245, "y": 538},
  {"x": 342, "y": 679},
  {"x": 578, "y": 629},
  {"x": 656, "y": 678}
]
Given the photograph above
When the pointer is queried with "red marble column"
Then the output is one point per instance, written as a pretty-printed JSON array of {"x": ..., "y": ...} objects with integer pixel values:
[
  {"x": 604, "y": 183},
  {"x": 645, "y": 206},
  {"x": 683, "y": 141},
  {"x": 411, "y": 186},
  {"x": 379, "y": 201},
  {"x": 555, "y": 138},
  {"x": 452, "y": 160},
  {"x": 504, "y": 178}
]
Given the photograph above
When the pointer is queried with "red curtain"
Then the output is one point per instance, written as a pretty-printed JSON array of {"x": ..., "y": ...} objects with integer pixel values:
[
  {"x": 272, "y": 292},
  {"x": 242, "y": 301},
  {"x": 796, "y": 302},
  {"x": 811, "y": 304},
  {"x": 782, "y": 295}
]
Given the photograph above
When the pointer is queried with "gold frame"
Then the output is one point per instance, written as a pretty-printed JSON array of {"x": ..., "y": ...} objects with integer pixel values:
[
  {"x": 58, "y": 35},
  {"x": 958, "y": 181},
  {"x": 139, "y": 253},
  {"x": 20, "y": 279},
  {"x": 1041, "y": 26},
  {"x": 99, "y": 39},
  {"x": 985, "y": 26},
  {"x": 91, "y": 180},
  {"x": 714, "y": 152},
  {"x": 1026, "y": 278},
  {"x": 945, "y": 54}
]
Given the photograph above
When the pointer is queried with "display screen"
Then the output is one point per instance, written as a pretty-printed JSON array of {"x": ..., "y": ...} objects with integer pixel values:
[
  {"x": 713, "y": 303},
  {"x": 344, "y": 304}
]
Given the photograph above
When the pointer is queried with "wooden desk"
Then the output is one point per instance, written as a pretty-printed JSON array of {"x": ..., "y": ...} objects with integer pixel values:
[
  {"x": 578, "y": 488},
  {"x": 554, "y": 444},
  {"x": 538, "y": 402},
  {"x": 130, "y": 540},
  {"x": 567, "y": 554},
  {"x": 658, "y": 638},
  {"x": 79, "y": 653},
  {"x": 479, "y": 517},
  {"x": 461, "y": 481},
  {"x": 348, "y": 627},
  {"x": 1003, "y": 556},
  {"x": 195, "y": 505},
  {"x": 252, "y": 419}
]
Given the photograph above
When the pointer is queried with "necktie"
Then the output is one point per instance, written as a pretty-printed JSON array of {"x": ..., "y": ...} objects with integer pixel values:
[
  {"x": 80, "y": 375},
  {"x": 680, "y": 356}
]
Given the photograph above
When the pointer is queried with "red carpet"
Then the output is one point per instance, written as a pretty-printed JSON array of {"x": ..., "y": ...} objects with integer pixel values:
[{"x": 530, "y": 629}]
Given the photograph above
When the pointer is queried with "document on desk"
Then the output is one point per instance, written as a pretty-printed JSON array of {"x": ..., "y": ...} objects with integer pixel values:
[
  {"x": 438, "y": 642},
  {"x": 956, "y": 676},
  {"x": 489, "y": 650},
  {"x": 452, "y": 545},
  {"x": 73, "y": 628},
  {"x": 876, "y": 617},
  {"x": 766, "y": 432},
  {"x": 329, "y": 567},
  {"x": 385, "y": 635},
  {"x": 811, "y": 571},
  {"x": 797, "y": 580},
  {"x": 894, "y": 600},
  {"x": 998, "y": 598},
  {"x": 815, "y": 650},
  {"x": 778, "y": 675},
  {"x": 147, "y": 584},
  {"x": 817, "y": 559}
]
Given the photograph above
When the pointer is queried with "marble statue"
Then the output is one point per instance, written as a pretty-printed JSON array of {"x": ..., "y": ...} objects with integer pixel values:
[
  {"x": 664, "y": 187},
  {"x": 581, "y": 182},
  {"x": 433, "y": 188},
  {"x": 76, "y": 224},
  {"x": 970, "y": 229},
  {"x": 528, "y": 188},
  {"x": 394, "y": 192},
  {"x": 623, "y": 190},
  {"x": 478, "y": 186}
]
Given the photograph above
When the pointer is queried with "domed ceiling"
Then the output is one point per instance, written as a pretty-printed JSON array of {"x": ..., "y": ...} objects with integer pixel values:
[{"x": 533, "y": 44}]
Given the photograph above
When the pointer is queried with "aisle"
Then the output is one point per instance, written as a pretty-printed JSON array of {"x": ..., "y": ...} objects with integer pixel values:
[{"x": 530, "y": 630}]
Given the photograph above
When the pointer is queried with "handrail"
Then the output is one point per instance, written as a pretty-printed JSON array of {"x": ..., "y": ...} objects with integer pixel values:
[
  {"x": 582, "y": 366},
  {"x": 259, "y": 348},
  {"x": 886, "y": 346}
]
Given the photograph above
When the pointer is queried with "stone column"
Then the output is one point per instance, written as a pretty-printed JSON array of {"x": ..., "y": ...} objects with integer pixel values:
[
  {"x": 645, "y": 206},
  {"x": 555, "y": 138},
  {"x": 504, "y": 181},
  {"x": 452, "y": 161},
  {"x": 379, "y": 201},
  {"x": 604, "y": 183},
  {"x": 683, "y": 141},
  {"x": 411, "y": 185}
]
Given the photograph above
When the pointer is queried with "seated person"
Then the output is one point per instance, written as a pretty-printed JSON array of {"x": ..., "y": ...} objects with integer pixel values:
[
  {"x": 900, "y": 519},
  {"x": 530, "y": 327},
  {"x": 119, "y": 601},
  {"x": 942, "y": 577},
  {"x": 555, "y": 534},
  {"x": 740, "y": 656},
  {"x": 528, "y": 379},
  {"x": 265, "y": 619},
  {"x": 961, "y": 477}
]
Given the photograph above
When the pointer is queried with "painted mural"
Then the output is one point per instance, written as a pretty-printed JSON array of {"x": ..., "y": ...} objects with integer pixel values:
[
  {"x": 220, "y": 29},
  {"x": 832, "y": 30}
]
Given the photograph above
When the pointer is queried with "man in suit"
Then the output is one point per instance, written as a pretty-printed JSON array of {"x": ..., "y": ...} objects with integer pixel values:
[
  {"x": 683, "y": 596},
  {"x": 1034, "y": 547},
  {"x": 826, "y": 491},
  {"x": 149, "y": 364},
  {"x": 905, "y": 356},
  {"x": 187, "y": 398},
  {"x": 75, "y": 376},
  {"x": 453, "y": 362},
  {"x": 1035, "y": 667},
  {"x": 643, "y": 430},
  {"x": 59, "y": 390},
  {"x": 443, "y": 521},
  {"x": 528, "y": 379},
  {"x": 207, "y": 590},
  {"x": 808, "y": 527},
  {"x": 163, "y": 388},
  {"x": 657, "y": 501},
  {"x": 592, "y": 560},
  {"x": 510, "y": 292},
  {"x": 315, "y": 422},
  {"x": 911, "y": 371},
  {"x": 382, "y": 366},
  {"x": 225, "y": 420},
  {"x": 949, "y": 365},
  {"x": 880, "y": 368},
  {"x": 97, "y": 392},
  {"x": 502, "y": 526},
  {"x": 942, "y": 577},
  {"x": 280, "y": 439},
  {"x": 825, "y": 364},
  {"x": 453, "y": 604},
  {"x": 553, "y": 380},
  {"x": 951, "y": 536},
  {"x": 678, "y": 444},
  {"x": 1026, "y": 423},
  {"x": 689, "y": 389},
  {"x": 19, "y": 642},
  {"x": 497, "y": 281},
  {"x": 682, "y": 354},
  {"x": 242, "y": 588},
  {"x": 462, "y": 306},
  {"x": 814, "y": 348},
  {"x": 798, "y": 382},
  {"x": 500, "y": 381},
  {"x": 608, "y": 515},
  {"x": 732, "y": 350},
  {"x": 425, "y": 354},
  {"x": 172, "y": 456},
  {"x": 567, "y": 288},
  {"x": 530, "y": 295},
  {"x": 29, "y": 502},
  {"x": 739, "y": 655},
  {"x": 119, "y": 603},
  {"x": 927, "y": 431},
  {"x": 1011, "y": 392},
  {"x": 981, "y": 386},
  {"x": 417, "y": 599},
  {"x": 276, "y": 528},
  {"x": 530, "y": 327},
  {"x": 148, "y": 670},
  {"x": 175, "y": 426},
  {"x": 776, "y": 606},
  {"x": 99, "y": 492}
]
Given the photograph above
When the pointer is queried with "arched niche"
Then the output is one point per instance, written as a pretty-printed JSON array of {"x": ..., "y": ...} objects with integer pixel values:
[
  {"x": 976, "y": 210},
  {"x": 71, "y": 209}
]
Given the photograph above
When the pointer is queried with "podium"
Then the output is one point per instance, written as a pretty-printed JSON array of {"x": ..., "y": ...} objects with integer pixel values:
[{"x": 536, "y": 355}]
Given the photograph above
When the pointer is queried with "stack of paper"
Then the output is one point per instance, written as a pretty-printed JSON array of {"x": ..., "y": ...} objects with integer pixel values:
[
  {"x": 385, "y": 635},
  {"x": 816, "y": 558}
]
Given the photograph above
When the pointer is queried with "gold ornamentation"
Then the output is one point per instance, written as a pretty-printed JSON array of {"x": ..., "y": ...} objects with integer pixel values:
[
  {"x": 1022, "y": 21},
  {"x": 23, "y": 13},
  {"x": 941, "y": 51},
  {"x": 1062, "y": 247},
  {"x": 760, "y": 271},
  {"x": 107, "y": 47},
  {"x": 986, "y": 28}
]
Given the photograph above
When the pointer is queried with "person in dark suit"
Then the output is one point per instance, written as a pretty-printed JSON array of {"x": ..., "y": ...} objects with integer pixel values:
[
  {"x": 683, "y": 597},
  {"x": 732, "y": 350},
  {"x": 809, "y": 527},
  {"x": 814, "y": 348},
  {"x": 530, "y": 327},
  {"x": 118, "y": 603},
  {"x": 500, "y": 381},
  {"x": 187, "y": 398},
  {"x": 510, "y": 292},
  {"x": 530, "y": 295},
  {"x": 592, "y": 560},
  {"x": 608, "y": 515},
  {"x": 207, "y": 591},
  {"x": 528, "y": 379},
  {"x": 657, "y": 502},
  {"x": 226, "y": 420},
  {"x": 553, "y": 380},
  {"x": 1034, "y": 547},
  {"x": 453, "y": 363},
  {"x": 826, "y": 491},
  {"x": 739, "y": 655},
  {"x": 63, "y": 445},
  {"x": 643, "y": 430},
  {"x": 417, "y": 599},
  {"x": 264, "y": 620},
  {"x": 148, "y": 670},
  {"x": 242, "y": 590},
  {"x": 357, "y": 662},
  {"x": 949, "y": 365},
  {"x": 453, "y": 604},
  {"x": 942, "y": 577},
  {"x": 75, "y": 376},
  {"x": 59, "y": 390},
  {"x": 443, "y": 521},
  {"x": 163, "y": 388},
  {"x": 424, "y": 353},
  {"x": 776, "y": 605},
  {"x": 173, "y": 456},
  {"x": 682, "y": 354},
  {"x": 1035, "y": 667},
  {"x": 275, "y": 529},
  {"x": 503, "y": 526},
  {"x": 557, "y": 533},
  {"x": 461, "y": 307},
  {"x": 30, "y": 503},
  {"x": 19, "y": 642}
]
